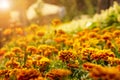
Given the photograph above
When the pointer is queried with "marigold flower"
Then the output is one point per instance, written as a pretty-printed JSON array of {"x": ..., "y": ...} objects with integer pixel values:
[
  {"x": 32, "y": 49},
  {"x": 40, "y": 33},
  {"x": 19, "y": 31},
  {"x": 27, "y": 74},
  {"x": 13, "y": 64},
  {"x": 59, "y": 39},
  {"x": 9, "y": 55},
  {"x": 3, "y": 72},
  {"x": 96, "y": 29},
  {"x": 58, "y": 74},
  {"x": 87, "y": 52},
  {"x": 107, "y": 36},
  {"x": 7, "y": 32},
  {"x": 17, "y": 50},
  {"x": 43, "y": 62},
  {"x": 113, "y": 61},
  {"x": 68, "y": 42},
  {"x": 29, "y": 63},
  {"x": 59, "y": 32},
  {"x": 47, "y": 50},
  {"x": 102, "y": 55},
  {"x": 116, "y": 33},
  {"x": 33, "y": 27},
  {"x": 2, "y": 51},
  {"x": 93, "y": 35},
  {"x": 56, "y": 22},
  {"x": 83, "y": 38},
  {"x": 99, "y": 72},
  {"x": 66, "y": 56}
]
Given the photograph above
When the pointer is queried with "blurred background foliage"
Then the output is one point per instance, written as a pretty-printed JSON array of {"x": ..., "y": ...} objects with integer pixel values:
[{"x": 76, "y": 8}]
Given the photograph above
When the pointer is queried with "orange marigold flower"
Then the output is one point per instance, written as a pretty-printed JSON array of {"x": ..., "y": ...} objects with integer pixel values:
[
  {"x": 66, "y": 55},
  {"x": 96, "y": 29},
  {"x": 58, "y": 74},
  {"x": 9, "y": 55},
  {"x": 7, "y": 32},
  {"x": 92, "y": 35},
  {"x": 59, "y": 32},
  {"x": 3, "y": 72},
  {"x": 19, "y": 31},
  {"x": 69, "y": 42},
  {"x": 43, "y": 62},
  {"x": 116, "y": 33},
  {"x": 107, "y": 36},
  {"x": 56, "y": 22},
  {"x": 13, "y": 63},
  {"x": 32, "y": 49},
  {"x": 29, "y": 63},
  {"x": 17, "y": 50},
  {"x": 28, "y": 74},
  {"x": 102, "y": 55},
  {"x": 59, "y": 39},
  {"x": 97, "y": 72},
  {"x": 40, "y": 33},
  {"x": 47, "y": 50},
  {"x": 2, "y": 51},
  {"x": 86, "y": 52}
]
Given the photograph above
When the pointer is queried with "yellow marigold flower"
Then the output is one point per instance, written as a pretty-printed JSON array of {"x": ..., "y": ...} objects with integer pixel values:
[
  {"x": 107, "y": 36},
  {"x": 117, "y": 42},
  {"x": 93, "y": 41},
  {"x": 44, "y": 59},
  {"x": 9, "y": 55},
  {"x": 113, "y": 61},
  {"x": 29, "y": 63},
  {"x": 116, "y": 33},
  {"x": 36, "y": 56},
  {"x": 83, "y": 38},
  {"x": 43, "y": 62},
  {"x": 96, "y": 29},
  {"x": 19, "y": 31},
  {"x": 85, "y": 45},
  {"x": 47, "y": 50},
  {"x": 58, "y": 74},
  {"x": 69, "y": 42}
]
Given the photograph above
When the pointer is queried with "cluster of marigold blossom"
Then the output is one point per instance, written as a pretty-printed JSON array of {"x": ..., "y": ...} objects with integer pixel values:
[
  {"x": 31, "y": 56},
  {"x": 101, "y": 72}
]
